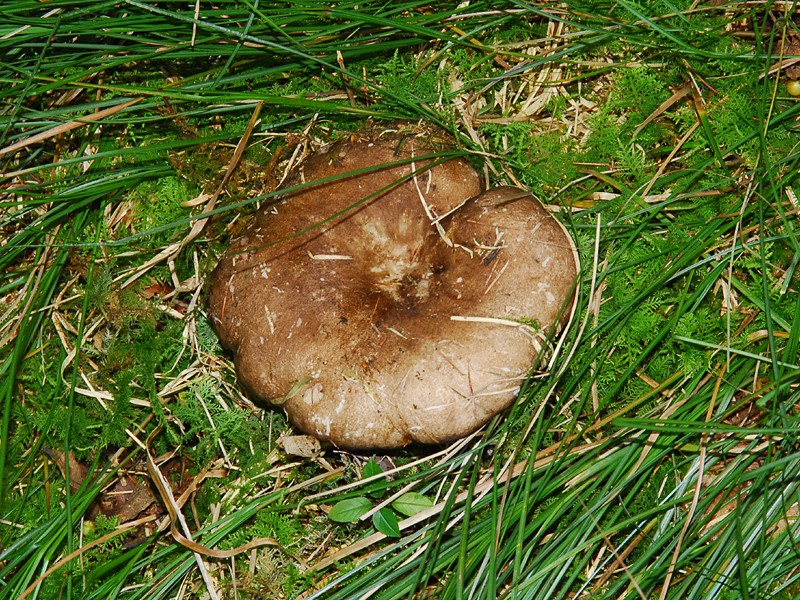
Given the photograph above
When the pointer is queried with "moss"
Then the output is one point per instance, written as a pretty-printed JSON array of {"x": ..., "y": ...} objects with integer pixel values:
[
  {"x": 544, "y": 161},
  {"x": 161, "y": 208},
  {"x": 406, "y": 84}
]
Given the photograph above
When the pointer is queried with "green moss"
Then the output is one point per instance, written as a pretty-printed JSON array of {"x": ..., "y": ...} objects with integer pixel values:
[
  {"x": 619, "y": 136},
  {"x": 208, "y": 340},
  {"x": 637, "y": 92},
  {"x": 234, "y": 427},
  {"x": 406, "y": 84},
  {"x": 544, "y": 161},
  {"x": 471, "y": 66},
  {"x": 160, "y": 205}
]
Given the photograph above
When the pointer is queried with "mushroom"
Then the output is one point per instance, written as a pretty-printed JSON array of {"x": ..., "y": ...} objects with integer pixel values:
[{"x": 386, "y": 305}]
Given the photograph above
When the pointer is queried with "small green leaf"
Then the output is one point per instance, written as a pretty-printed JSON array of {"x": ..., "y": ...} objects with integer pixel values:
[
  {"x": 348, "y": 511},
  {"x": 377, "y": 487},
  {"x": 370, "y": 469},
  {"x": 411, "y": 503},
  {"x": 385, "y": 521}
]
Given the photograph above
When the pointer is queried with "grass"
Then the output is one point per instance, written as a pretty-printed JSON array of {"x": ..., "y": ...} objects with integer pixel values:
[{"x": 656, "y": 455}]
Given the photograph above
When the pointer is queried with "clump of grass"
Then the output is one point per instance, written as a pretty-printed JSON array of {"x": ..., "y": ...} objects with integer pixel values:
[{"x": 652, "y": 457}]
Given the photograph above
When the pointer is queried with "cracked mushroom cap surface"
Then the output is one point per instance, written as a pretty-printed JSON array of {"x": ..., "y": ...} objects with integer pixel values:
[{"x": 394, "y": 305}]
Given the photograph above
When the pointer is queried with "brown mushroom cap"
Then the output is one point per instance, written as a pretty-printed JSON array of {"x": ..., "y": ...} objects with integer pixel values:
[{"x": 380, "y": 327}]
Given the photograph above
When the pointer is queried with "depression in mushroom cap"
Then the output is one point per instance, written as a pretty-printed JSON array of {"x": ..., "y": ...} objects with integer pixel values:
[{"x": 396, "y": 301}]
